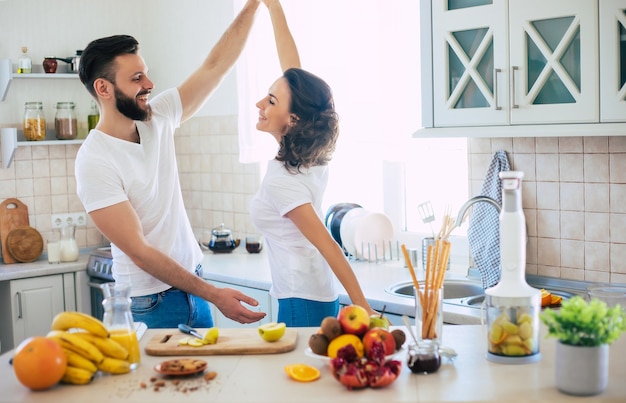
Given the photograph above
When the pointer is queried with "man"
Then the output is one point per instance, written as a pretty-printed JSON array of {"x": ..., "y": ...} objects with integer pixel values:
[{"x": 127, "y": 178}]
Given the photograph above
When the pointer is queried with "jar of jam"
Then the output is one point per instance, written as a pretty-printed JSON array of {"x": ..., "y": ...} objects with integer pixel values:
[
  {"x": 34, "y": 121},
  {"x": 65, "y": 122},
  {"x": 50, "y": 64},
  {"x": 424, "y": 358}
]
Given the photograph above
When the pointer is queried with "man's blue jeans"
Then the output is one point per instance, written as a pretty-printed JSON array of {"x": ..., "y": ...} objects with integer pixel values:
[{"x": 169, "y": 308}]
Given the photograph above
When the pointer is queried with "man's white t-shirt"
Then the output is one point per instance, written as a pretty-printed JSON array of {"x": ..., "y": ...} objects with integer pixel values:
[
  {"x": 110, "y": 171},
  {"x": 298, "y": 269}
]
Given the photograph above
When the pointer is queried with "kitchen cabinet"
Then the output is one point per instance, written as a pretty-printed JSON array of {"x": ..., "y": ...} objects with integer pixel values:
[
  {"x": 267, "y": 304},
  {"x": 521, "y": 68},
  {"x": 613, "y": 66},
  {"x": 27, "y": 306}
]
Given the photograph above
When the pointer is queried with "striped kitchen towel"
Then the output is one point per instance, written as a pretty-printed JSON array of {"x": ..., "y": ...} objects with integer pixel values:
[{"x": 483, "y": 232}]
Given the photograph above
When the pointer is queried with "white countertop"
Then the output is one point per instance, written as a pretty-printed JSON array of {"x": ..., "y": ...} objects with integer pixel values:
[
  {"x": 41, "y": 267},
  {"x": 260, "y": 378},
  {"x": 252, "y": 270}
]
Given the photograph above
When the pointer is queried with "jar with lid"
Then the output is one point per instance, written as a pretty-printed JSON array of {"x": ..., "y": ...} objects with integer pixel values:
[
  {"x": 34, "y": 121},
  {"x": 424, "y": 357},
  {"x": 65, "y": 122},
  {"x": 24, "y": 63}
]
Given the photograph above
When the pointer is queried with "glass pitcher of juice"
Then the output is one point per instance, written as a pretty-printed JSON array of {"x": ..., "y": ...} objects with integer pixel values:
[{"x": 119, "y": 320}]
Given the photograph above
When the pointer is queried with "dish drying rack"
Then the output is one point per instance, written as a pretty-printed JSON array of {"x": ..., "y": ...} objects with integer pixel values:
[{"x": 388, "y": 250}]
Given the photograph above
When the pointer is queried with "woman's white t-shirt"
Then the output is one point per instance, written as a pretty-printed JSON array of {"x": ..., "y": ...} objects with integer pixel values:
[
  {"x": 110, "y": 171},
  {"x": 298, "y": 270}
]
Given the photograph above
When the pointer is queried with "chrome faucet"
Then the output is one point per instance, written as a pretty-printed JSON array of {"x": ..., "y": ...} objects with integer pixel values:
[{"x": 476, "y": 199}]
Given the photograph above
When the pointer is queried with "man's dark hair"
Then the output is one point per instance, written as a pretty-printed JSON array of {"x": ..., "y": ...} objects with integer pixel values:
[{"x": 98, "y": 59}]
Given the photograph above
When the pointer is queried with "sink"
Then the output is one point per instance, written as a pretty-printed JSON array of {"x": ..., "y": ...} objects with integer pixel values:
[{"x": 452, "y": 289}]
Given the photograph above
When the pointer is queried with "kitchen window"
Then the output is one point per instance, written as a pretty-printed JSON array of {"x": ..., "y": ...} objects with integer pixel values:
[{"x": 368, "y": 52}]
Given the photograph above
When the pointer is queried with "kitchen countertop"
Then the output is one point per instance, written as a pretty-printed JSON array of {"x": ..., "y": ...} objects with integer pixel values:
[
  {"x": 41, "y": 267},
  {"x": 252, "y": 270},
  {"x": 260, "y": 378}
]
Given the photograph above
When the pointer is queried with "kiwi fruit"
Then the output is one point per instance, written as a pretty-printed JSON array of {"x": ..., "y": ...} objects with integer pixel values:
[
  {"x": 331, "y": 327},
  {"x": 399, "y": 337},
  {"x": 318, "y": 343}
]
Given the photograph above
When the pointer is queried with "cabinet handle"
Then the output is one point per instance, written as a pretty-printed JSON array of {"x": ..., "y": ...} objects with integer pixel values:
[
  {"x": 19, "y": 305},
  {"x": 513, "y": 104},
  {"x": 495, "y": 89}
]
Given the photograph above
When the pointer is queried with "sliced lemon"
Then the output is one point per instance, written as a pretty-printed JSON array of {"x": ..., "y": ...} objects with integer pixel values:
[
  {"x": 195, "y": 342},
  {"x": 302, "y": 372},
  {"x": 211, "y": 336},
  {"x": 184, "y": 341}
]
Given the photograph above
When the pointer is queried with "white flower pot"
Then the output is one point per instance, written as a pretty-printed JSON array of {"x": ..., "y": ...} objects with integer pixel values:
[{"x": 581, "y": 371}]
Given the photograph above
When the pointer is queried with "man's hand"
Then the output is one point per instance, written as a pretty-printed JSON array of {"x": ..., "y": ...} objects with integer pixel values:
[{"x": 229, "y": 303}]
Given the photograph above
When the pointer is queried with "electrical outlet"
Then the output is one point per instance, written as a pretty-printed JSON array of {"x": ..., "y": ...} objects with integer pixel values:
[{"x": 61, "y": 220}]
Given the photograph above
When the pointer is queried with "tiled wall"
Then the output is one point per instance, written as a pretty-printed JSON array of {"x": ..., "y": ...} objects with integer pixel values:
[
  {"x": 574, "y": 193},
  {"x": 574, "y": 198},
  {"x": 216, "y": 187}
]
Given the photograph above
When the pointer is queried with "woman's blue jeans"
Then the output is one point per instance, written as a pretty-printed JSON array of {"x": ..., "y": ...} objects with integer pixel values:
[
  {"x": 298, "y": 312},
  {"x": 169, "y": 308}
]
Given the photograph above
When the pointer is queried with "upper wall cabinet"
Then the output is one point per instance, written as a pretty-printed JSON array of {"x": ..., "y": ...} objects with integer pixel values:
[{"x": 523, "y": 68}]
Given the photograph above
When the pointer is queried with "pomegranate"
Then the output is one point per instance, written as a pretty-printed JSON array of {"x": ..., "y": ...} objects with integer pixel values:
[{"x": 373, "y": 370}]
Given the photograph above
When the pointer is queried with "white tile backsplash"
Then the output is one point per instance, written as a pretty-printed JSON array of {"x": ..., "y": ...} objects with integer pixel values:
[{"x": 574, "y": 197}]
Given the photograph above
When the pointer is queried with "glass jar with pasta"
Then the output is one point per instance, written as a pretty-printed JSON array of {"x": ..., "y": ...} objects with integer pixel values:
[{"x": 34, "y": 121}]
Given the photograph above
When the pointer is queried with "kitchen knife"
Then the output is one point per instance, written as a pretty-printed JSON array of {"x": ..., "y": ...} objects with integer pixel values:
[{"x": 189, "y": 330}]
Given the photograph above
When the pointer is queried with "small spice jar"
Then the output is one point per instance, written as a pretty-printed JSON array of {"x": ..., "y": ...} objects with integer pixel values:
[
  {"x": 424, "y": 358},
  {"x": 34, "y": 121},
  {"x": 65, "y": 122}
]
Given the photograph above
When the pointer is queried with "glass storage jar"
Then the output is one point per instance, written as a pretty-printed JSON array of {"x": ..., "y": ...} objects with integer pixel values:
[
  {"x": 65, "y": 122},
  {"x": 34, "y": 121}
]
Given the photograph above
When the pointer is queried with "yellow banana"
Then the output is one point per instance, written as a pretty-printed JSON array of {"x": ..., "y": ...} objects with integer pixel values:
[
  {"x": 76, "y": 376},
  {"x": 78, "y": 320},
  {"x": 108, "y": 346},
  {"x": 76, "y": 344},
  {"x": 114, "y": 366},
  {"x": 78, "y": 361}
]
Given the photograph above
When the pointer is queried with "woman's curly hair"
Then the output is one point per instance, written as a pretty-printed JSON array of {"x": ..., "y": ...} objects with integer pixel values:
[{"x": 311, "y": 140}]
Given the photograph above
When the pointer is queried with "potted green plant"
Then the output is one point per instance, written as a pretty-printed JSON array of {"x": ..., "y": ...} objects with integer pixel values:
[{"x": 584, "y": 331}]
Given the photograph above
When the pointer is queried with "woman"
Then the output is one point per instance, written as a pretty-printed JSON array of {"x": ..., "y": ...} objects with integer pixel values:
[{"x": 299, "y": 113}]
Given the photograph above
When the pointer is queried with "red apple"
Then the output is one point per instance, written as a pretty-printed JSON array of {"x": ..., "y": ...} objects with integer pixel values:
[
  {"x": 354, "y": 319},
  {"x": 381, "y": 335}
]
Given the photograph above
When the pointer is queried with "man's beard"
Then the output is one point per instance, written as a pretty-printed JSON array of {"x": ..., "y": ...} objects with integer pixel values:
[{"x": 129, "y": 108}]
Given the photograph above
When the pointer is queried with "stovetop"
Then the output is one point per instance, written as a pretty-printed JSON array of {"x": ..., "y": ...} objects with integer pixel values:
[{"x": 100, "y": 264}]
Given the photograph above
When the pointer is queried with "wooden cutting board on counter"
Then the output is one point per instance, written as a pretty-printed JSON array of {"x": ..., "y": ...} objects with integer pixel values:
[
  {"x": 231, "y": 341},
  {"x": 13, "y": 214}
]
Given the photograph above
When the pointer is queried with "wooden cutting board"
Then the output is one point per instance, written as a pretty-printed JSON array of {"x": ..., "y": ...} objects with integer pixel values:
[
  {"x": 24, "y": 244},
  {"x": 13, "y": 214},
  {"x": 231, "y": 341}
]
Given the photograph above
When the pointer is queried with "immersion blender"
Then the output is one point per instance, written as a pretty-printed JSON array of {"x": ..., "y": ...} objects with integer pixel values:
[{"x": 512, "y": 305}]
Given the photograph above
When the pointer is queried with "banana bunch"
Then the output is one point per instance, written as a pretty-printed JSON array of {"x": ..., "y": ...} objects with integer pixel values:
[{"x": 88, "y": 347}]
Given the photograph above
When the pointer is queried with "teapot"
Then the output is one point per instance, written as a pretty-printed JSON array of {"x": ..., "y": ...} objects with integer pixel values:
[{"x": 222, "y": 240}]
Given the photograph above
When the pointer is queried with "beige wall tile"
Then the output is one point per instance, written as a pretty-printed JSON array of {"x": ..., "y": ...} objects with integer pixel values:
[
  {"x": 572, "y": 225},
  {"x": 571, "y": 145},
  {"x": 572, "y": 196},
  {"x": 596, "y": 168},
  {"x": 547, "y": 167},
  {"x": 597, "y": 197},
  {"x": 571, "y": 167},
  {"x": 548, "y": 195},
  {"x": 617, "y": 167}
]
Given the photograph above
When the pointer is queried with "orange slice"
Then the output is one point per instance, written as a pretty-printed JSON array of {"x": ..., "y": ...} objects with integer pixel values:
[
  {"x": 546, "y": 298},
  {"x": 555, "y": 299},
  {"x": 302, "y": 372}
]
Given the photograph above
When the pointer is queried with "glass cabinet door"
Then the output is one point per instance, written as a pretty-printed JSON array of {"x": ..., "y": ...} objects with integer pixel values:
[
  {"x": 469, "y": 62},
  {"x": 612, "y": 60},
  {"x": 553, "y": 60}
]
